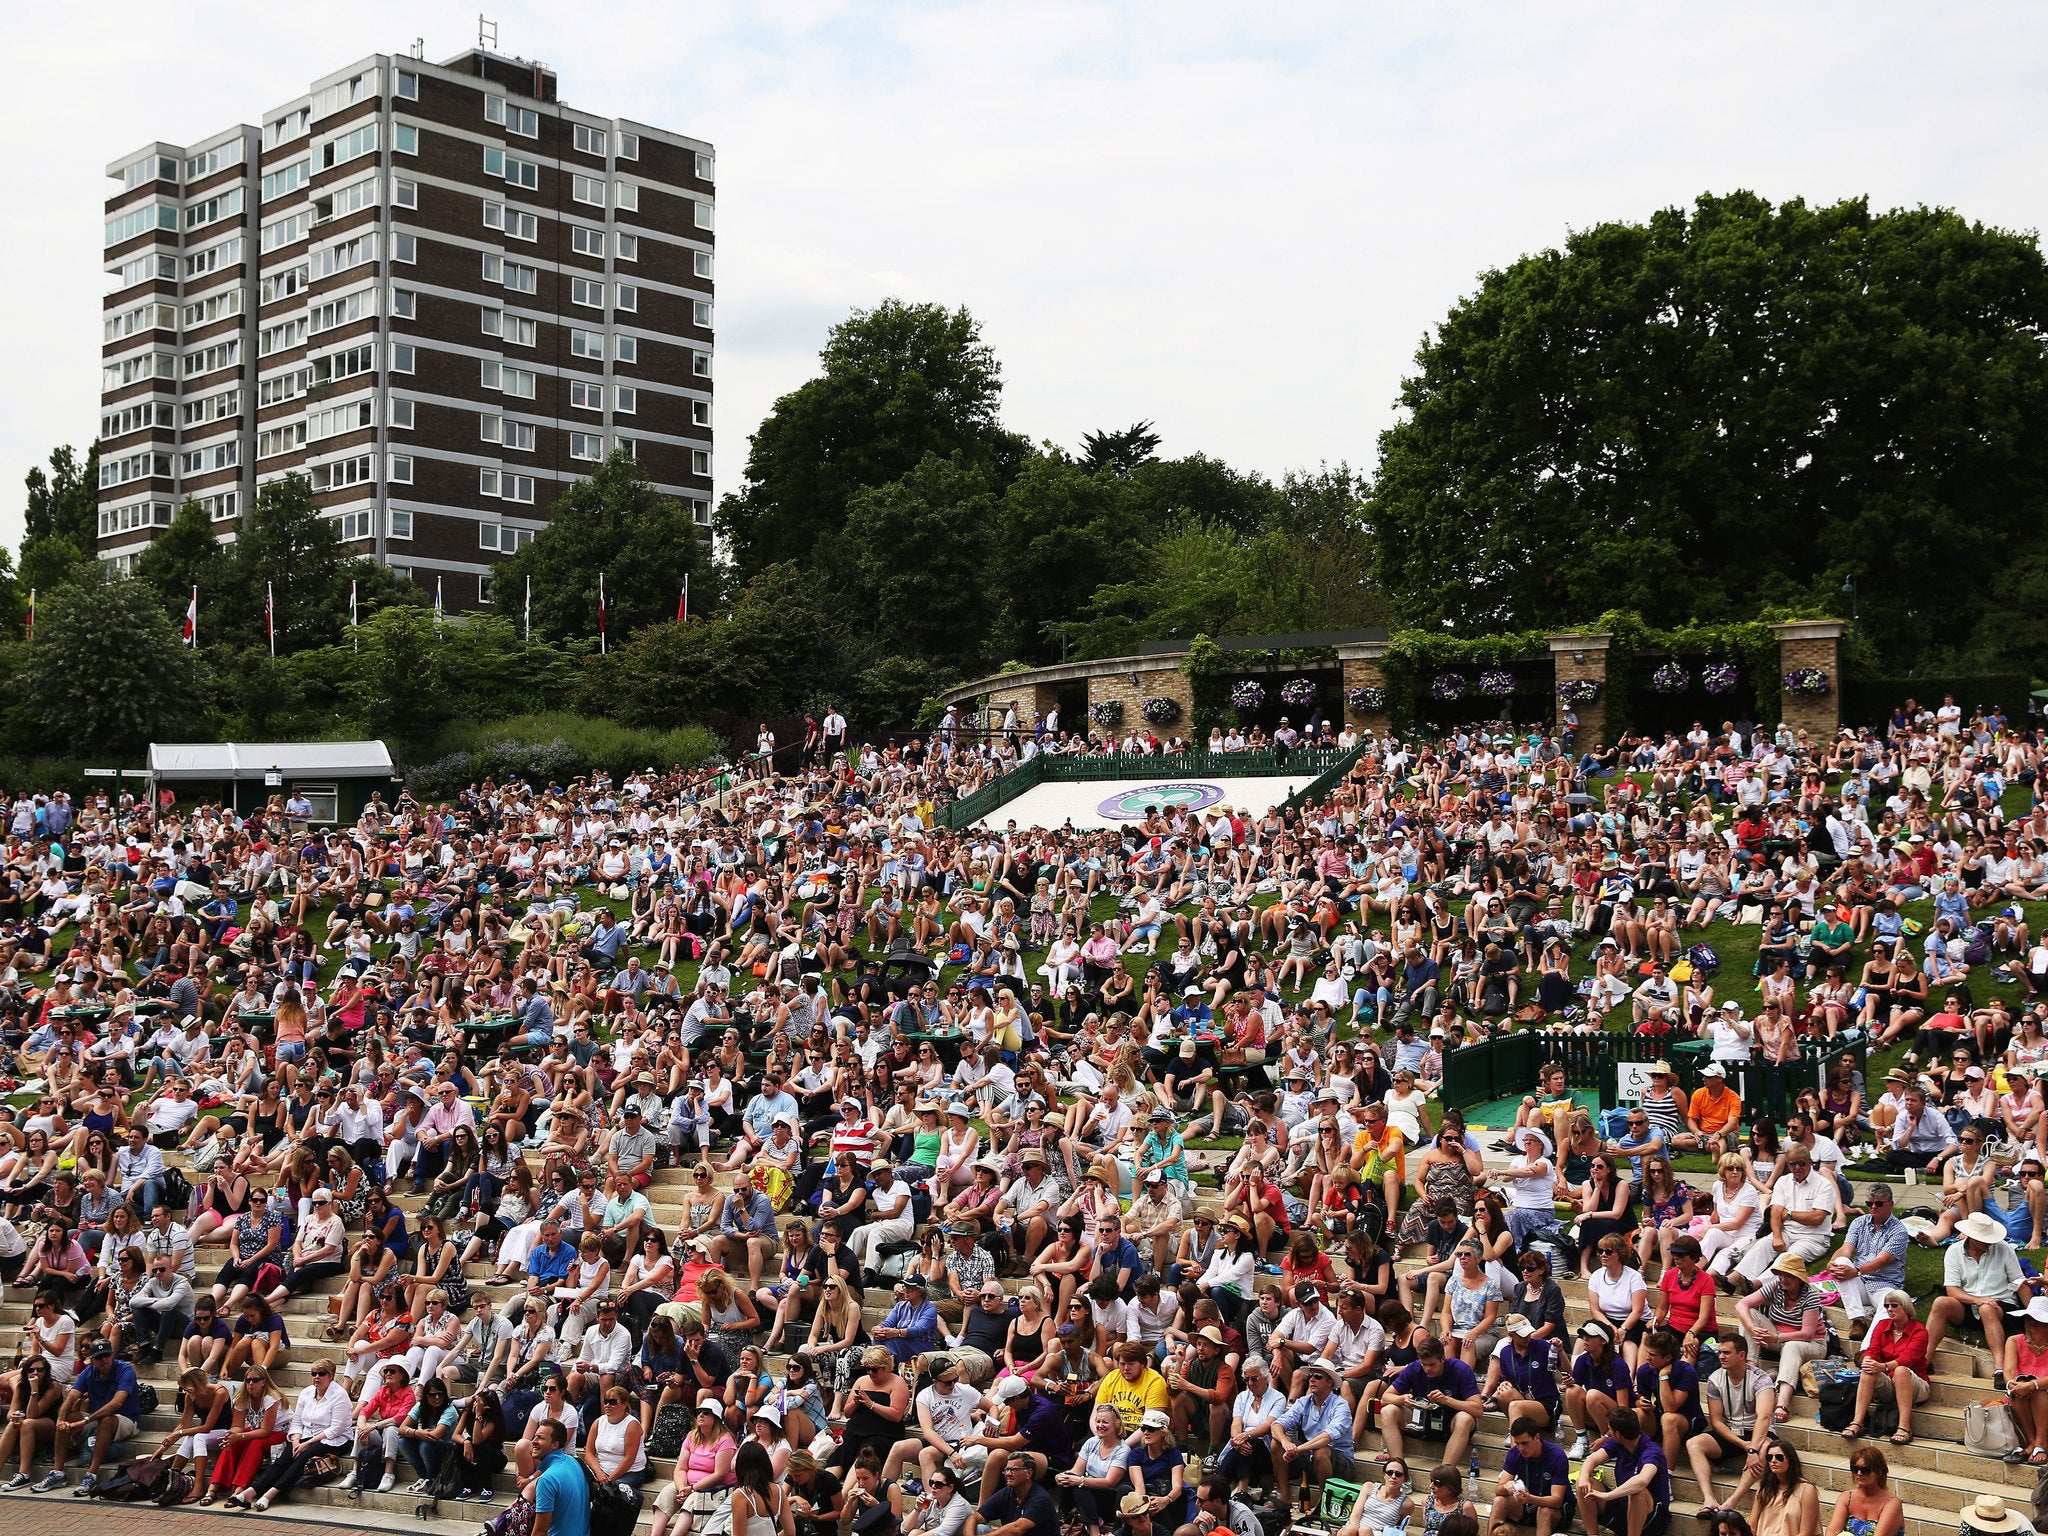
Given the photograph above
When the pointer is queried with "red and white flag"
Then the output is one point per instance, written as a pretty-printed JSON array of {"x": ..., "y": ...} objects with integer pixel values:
[
  {"x": 683, "y": 603},
  {"x": 192, "y": 619},
  {"x": 270, "y": 615},
  {"x": 601, "y": 616}
]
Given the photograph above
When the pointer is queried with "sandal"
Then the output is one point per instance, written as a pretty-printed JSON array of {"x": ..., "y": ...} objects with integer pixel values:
[
  {"x": 1854, "y": 1431},
  {"x": 1905, "y": 1437},
  {"x": 1780, "y": 1415},
  {"x": 2039, "y": 1458}
]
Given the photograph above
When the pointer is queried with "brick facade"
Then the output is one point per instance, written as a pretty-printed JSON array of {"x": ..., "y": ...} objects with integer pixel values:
[
  {"x": 1032, "y": 701},
  {"x": 1364, "y": 667},
  {"x": 1167, "y": 682},
  {"x": 1813, "y": 643},
  {"x": 1577, "y": 658}
]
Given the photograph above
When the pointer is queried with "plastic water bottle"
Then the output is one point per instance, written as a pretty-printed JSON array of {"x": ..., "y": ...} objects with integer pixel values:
[{"x": 1472, "y": 1478}]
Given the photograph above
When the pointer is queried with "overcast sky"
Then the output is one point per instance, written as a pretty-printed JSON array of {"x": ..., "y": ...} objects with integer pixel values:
[{"x": 1237, "y": 221}]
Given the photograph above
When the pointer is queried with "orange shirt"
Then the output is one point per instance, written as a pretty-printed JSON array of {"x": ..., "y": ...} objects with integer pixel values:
[{"x": 1711, "y": 1114}]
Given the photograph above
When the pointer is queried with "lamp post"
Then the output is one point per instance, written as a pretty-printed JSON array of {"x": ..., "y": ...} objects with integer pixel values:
[{"x": 1849, "y": 587}]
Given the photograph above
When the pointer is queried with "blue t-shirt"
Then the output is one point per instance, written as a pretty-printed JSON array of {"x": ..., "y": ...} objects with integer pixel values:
[
  {"x": 1627, "y": 1463},
  {"x": 1613, "y": 1378},
  {"x": 99, "y": 1390},
  {"x": 1551, "y": 1470},
  {"x": 1685, "y": 1380},
  {"x": 1457, "y": 1380},
  {"x": 564, "y": 1492}
]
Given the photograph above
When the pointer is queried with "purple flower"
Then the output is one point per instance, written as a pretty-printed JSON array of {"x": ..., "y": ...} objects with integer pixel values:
[
  {"x": 1368, "y": 700},
  {"x": 1249, "y": 694},
  {"x": 1671, "y": 678},
  {"x": 1497, "y": 684},
  {"x": 1719, "y": 676},
  {"x": 1300, "y": 692},
  {"x": 1808, "y": 683},
  {"x": 1578, "y": 690},
  {"x": 1161, "y": 711},
  {"x": 1448, "y": 686}
]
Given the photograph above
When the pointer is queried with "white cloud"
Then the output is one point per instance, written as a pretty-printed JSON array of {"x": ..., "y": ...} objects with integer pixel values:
[{"x": 1235, "y": 220}]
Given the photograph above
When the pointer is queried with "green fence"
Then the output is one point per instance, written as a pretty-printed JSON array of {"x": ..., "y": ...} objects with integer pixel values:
[
  {"x": 992, "y": 796},
  {"x": 1506, "y": 1064},
  {"x": 1326, "y": 781}
]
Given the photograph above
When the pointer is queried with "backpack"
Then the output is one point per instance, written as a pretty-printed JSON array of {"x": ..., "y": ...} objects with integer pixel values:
[
  {"x": 449, "y": 1479},
  {"x": 666, "y": 1438},
  {"x": 614, "y": 1508},
  {"x": 1977, "y": 947},
  {"x": 1837, "y": 1397},
  {"x": 146, "y": 1399},
  {"x": 177, "y": 1488},
  {"x": 1704, "y": 960},
  {"x": 177, "y": 1193}
]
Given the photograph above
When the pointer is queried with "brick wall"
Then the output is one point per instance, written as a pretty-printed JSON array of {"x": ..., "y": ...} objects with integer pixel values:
[
  {"x": 1167, "y": 683},
  {"x": 1817, "y": 645},
  {"x": 1577, "y": 658},
  {"x": 1364, "y": 672}
]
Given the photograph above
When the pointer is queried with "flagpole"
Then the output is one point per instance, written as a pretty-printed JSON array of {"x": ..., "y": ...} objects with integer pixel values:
[
  {"x": 270, "y": 616},
  {"x": 192, "y": 620},
  {"x": 603, "y": 648},
  {"x": 356, "y": 641},
  {"x": 683, "y": 614},
  {"x": 437, "y": 599},
  {"x": 31, "y": 613},
  {"x": 529, "y": 608}
]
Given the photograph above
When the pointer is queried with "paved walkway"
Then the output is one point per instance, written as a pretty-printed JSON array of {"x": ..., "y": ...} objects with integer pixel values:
[{"x": 56, "y": 1516}]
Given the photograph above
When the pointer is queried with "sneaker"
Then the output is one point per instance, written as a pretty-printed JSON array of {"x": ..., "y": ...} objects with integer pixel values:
[
  {"x": 86, "y": 1484},
  {"x": 52, "y": 1481},
  {"x": 352, "y": 1483},
  {"x": 417, "y": 1485},
  {"x": 390, "y": 1482},
  {"x": 1579, "y": 1448},
  {"x": 19, "y": 1480}
]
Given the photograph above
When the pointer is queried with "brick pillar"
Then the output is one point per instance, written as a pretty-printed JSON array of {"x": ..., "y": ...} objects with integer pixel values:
[
  {"x": 1364, "y": 667},
  {"x": 1154, "y": 683},
  {"x": 1813, "y": 643},
  {"x": 1583, "y": 657}
]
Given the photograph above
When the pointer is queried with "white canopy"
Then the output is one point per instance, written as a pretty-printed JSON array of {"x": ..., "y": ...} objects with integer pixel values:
[{"x": 217, "y": 760}]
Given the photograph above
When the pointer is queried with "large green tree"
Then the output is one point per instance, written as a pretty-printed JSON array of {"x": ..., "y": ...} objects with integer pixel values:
[
  {"x": 65, "y": 502},
  {"x": 912, "y": 561},
  {"x": 107, "y": 673},
  {"x": 1727, "y": 407},
  {"x": 616, "y": 523},
  {"x": 899, "y": 381}
]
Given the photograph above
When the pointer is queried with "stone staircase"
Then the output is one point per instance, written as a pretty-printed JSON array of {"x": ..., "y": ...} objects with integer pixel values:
[{"x": 1934, "y": 1476}]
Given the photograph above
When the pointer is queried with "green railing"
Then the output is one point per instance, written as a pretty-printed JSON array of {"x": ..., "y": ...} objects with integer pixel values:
[
  {"x": 1508, "y": 1063},
  {"x": 1326, "y": 781},
  {"x": 992, "y": 796}
]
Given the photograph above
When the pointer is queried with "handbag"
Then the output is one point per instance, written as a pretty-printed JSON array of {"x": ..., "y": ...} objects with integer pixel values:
[
  {"x": 614, "y": 1508},
  {"x": 1988, "y": 1428},
  {"x": 517, "y": 1520}
]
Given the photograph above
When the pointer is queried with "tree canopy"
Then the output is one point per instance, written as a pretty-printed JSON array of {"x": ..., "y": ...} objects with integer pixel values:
[{"x": 1725, "y": 408}]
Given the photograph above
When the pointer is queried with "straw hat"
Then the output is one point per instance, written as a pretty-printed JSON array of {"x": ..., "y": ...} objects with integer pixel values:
[
  {"x": 1793, "y": 1265},
  {"x": 1988, "y": 1512},
  {"x": 1983, "y": 1228}
]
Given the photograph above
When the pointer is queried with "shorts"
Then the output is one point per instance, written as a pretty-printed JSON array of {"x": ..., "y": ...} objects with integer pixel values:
[
  {"x": 1885, "y": 1390},
  {"x": 1724, "y": 1448},
  {"x": 1614, "y": 1517}
]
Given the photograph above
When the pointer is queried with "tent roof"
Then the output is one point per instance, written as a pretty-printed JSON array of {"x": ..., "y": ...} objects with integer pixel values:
[{"x": 253, "y": 759}]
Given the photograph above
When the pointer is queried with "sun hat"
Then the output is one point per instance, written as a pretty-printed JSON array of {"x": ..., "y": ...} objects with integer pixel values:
[
  {"x": 1156, "y": 1418},
  {"x": 1791, "y": 1264},
  {"x": 1134, "y": 1504},
  {"x": 1983, "y": 1228},
  {"x": 1988, "y": 1512}
]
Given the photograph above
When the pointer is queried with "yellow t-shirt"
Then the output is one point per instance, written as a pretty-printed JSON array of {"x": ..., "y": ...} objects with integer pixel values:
[{"x": 1129, "y": 1398}]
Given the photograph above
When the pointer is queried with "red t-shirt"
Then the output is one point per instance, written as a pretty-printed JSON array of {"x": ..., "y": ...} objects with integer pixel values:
[{"x": 1686, "y": 1301}]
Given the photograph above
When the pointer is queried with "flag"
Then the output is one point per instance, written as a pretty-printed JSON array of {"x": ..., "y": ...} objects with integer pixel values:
[
  {"x": 30, "y": 632},
  {"x": 601, "y": 645},
  {"x": 437, "y": 597},
  {"x": 683, "y": 607},
  {"x": 192, "y": 619},
  {"x": 529, "y": 607},
  {"x": 270, "y": 615},
  {"x": 351, "y": 604}
]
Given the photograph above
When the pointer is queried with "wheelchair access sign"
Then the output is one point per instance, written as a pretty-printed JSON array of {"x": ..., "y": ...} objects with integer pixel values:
[{"x": 1133, "y": 804}]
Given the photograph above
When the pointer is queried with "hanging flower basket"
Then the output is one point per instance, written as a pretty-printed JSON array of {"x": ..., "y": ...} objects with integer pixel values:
[
  {"x": 1808, "y": 683},
  {"x": 1719, "y": 676},
  {"x": 1670, "y": 678},
  {"x": 1579, "y": 690},
  {"x": 1249, "y": 694},
  {"x": 1447, "y": 686},
  {"x": 1497, "y": 684},
  {"x": 1107, "y": 712},
  {"x": 1300, "y": 692},
  {"x": 1367, "y": 700},
  {"x": 1161, "y": 711}
]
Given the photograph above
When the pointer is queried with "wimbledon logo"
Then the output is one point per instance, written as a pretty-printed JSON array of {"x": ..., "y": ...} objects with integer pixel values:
[{"x": 1132, "y": 804}]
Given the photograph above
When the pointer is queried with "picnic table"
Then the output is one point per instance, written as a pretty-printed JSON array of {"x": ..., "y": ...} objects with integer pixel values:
[
  {"x": 946, "y": 1042},
  {"x": 484, "y": 1035},
  {"x": 83, "y": 1013}
]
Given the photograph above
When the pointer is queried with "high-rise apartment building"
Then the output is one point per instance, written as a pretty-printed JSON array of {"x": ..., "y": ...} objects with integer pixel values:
[{"x": 433, "y": 289}]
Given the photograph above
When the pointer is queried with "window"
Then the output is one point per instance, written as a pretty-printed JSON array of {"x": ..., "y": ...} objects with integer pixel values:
[
  {"x": 343, "y": 473},
  {"x": 219, "y": 158},
  {"x": 344, "y": 201},
  {"x": 586, "y": 344},
  {"x": 345, "y": 254},
  {"x": 700, "y": 511},
  {"x": 494, "y": 267},
  {"x": 360, "y": 87},
  {"x": 288, "y": 231},
  {"x": 286, "y": 178},
  {"x": 629, "y": 146},
  {"x": 134, "y": 466},
  {"x": 504, "y": 486},
  {"x": 588, "y": 189},
  {"x": 216, "y": 306},
  {"x": 148, "y": 169},
  {"x": 629, "y": 297},
  {"x": 584, "y": 242},
  {"x": 700, "y": 314},
  {"x": 346, "y": 310},
  {"x": 401, "y": 528},
  {"x": 512, "y": 381},
  {"x": 700, "y": 364},
  {"x": 348, "y": 364},
  {"x": 700, "y": 262},
  {"x": 284, "y": 386},
  {"x": 408, "y": 85},
  {"x": 272, "y": 441},
  {"x": 587, "y": 292},
  {"x": 700, "y": 413},
  {"x": 405, "y": 139},
  {"x": 227, "y": 253},
  {"x": 224, "y": 354},
  {"x": 150, "y": 365},
  {"x": 628, "y": 348},
  {"x": 516, "y": 172},
  {"x": 354, "y": 416},
  {"x": 589, "y": 141},
  {"x": 286, "y": 282},
  {"x": 221, "y": 506},
  {"x": 516, "y": 223},
  {"x": 212, "y": 408},
  {"x": 629, "y": 448},
  {"x": 352, "y": 145},
  {"x": 151, "y": 267},
  {"x": 138, "y": 221},
  {"x": 405, "y": 194},
  {"x": 628, "y": 400},
  {"x": 286, "y": 128},
  {"x": 586, "y": 445},
  {"x": 519, "y": 120},
  {"x": 213, "y": 209},
  {"x": 143, "y": 514},
  {"x": 138, "y": 418},
  {"x": 401, "y": 357},
  {"x": 628, "y": 197},
  {"x": 705, "y": 169},
  {"x": 515, "y": 436},
  {"x": 404, "y": 304},
  {"x": 405, "y": 248},
  {"x": 521, "y": 279},
  {"x": 144, "y": 317},
  {"x": 507, "y": 541},
  {"x": 204, "y": 461},
  {"x": 516, "y": 330},
  {"x": 629, "y": 247},
  {"x": 700, "y": 462},
  {"x": 354, "y": 524},
  {"x": 401, "y": 415},
  {"x": 586, "y": 397},
  {"x": 703, "y": 215},
  {"x": 401, "y": 469}
]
